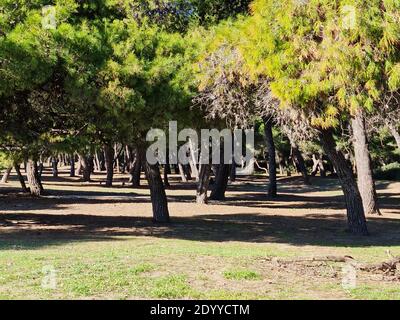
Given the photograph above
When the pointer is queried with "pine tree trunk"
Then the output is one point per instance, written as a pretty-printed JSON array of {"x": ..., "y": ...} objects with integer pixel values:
[
  {"x": 20, "y": 178},
  {"x": 366, "y": 183},
  {"x": 182, "y": 172},
  {"x": 72, "y": 164},
  {"x": 166, "y": 181},
  {"x": 136, "y": 167},
  {"x": 232, "y": 174},
  {"x": 109, "y": 158},
  {"x": 6, "y": 175},
  {"x": 35, "y": 186},
  {"x": 355, "y": 211},
  {"x": 300, "y": 163},
  {"x": 221, "y": 182},
  {"x": 86, "y": 167},
  {"x": 202, "y": 187},
  {"x": 157, "y": 192},
  {"x": 272, "y": 187},
  {"x": 54, "y": 166}
]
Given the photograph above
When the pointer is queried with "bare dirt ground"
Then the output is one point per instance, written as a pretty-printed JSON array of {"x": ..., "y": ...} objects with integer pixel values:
[
  {"x": 71, "y": 207},
  {"x": 302, "y": 221}
]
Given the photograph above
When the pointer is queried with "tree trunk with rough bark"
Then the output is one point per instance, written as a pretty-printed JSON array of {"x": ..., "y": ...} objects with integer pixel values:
[
  {"x": 272, "y": 187},
  {"x": 86, "y": 167},
  {"x": 300, "y": 163},
  {"x": 54, "y": 166},
  {"x": 6, "y": 175},
  {"x": 355, "y": 211},
  {"x": 204, "y": 181},
  {"x": 35, "y": 186},
  {"x": 136, "y": 167},
  {"x": 221, "y": 182},
  {"x": 157, "y": 192},
  {"x": 165, "y": 172},
  {"x": 20, "y": 178},
  {"x": 72, "y": 168},
  {"x": 109, "y": 158},
  {"x": 366, "y": 183}
]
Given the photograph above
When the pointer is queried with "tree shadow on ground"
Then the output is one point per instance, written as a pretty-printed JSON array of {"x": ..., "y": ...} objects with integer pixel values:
[{"x": 37, "y": 230}]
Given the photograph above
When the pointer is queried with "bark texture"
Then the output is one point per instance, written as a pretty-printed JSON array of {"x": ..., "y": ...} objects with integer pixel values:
[
  {"x": 109, "y": 158},
  {"x": 35, "y": 186},
  {"x": 355, "y": 211},
  {"x": 272, "y": 187},
  {"x": 221, "y": 182},
  {"x": 204, "y": 181},
  {"x": 20, "y": 178},
  {"x": 366, "y": 183},
  {"x": 157, "y": 192},
  {"x": 6, "y": 175}
]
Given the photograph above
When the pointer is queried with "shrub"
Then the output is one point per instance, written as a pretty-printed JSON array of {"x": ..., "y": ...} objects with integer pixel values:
[{"x": 389, "y": 172}]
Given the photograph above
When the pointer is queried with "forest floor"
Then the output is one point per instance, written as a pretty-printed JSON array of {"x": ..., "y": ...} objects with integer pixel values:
[{"x": 85, "y": 241}]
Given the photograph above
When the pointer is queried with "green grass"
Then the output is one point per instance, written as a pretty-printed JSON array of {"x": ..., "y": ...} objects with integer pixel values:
[
  {"x": 135, "y": 267},
  {"x": 241, "y": 275}
]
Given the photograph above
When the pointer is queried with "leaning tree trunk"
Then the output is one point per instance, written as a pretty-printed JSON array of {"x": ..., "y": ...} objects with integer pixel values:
[
  {"x": 182, "y": 172},
  {"x": 20, "y": 178},
  {"x": 35, "y": 186},
  {"x": 395, "y": 133},
  {"x": 300, "y": 163},
  {"x": 204, "y": 181},
  {"x": 136, "y": 167},
  {"x": 221, "y": 182},
  {"x": 157, "y": 193},
  {"x": 355, "y": 211},
  {"x": 366, "y": 183},
  {"x": 6, "y": 175},
  {"x": 109, "y": 158},
  {"x": 272, "y": 187}
]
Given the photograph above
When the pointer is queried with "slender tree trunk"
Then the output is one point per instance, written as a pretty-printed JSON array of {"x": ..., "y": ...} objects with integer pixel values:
[
  {"x": 232, "y": 174},
  {"x": 72, "y": 164},
  {"x": 6, "y": 175},
  {"x": 54, "y": 166},
  {"x": 204, "y": 180},
  {"x": 109, "y": 157},
  {"x": 116, "y": 156},
  {"x": 221, "y": 182},
  {"x": 86, "y": 167},
  {"x": 355, "y": 211},
  {"x": 272, "y": 187},
  {"x": 20, "y": 178},
  {"x": 136, "y": 167},
  {"x": 187, "y": 172},
  {"x": 321, "y": 166},
  {"x": 35, "y": 186},
  {"x": 97, "y": 166},
  {"x": 300, "y": 163},
  {"x": 366, "y": 183},
  {"x": 166, "y": 182},
  {"x": 193, "y": 161},
  {"x": 395, "y": 132},
  {"x": 157, "y": 192},
  {"x": 182, "y": 172}
]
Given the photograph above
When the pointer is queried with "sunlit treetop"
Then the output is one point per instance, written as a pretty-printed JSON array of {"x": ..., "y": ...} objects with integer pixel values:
[{"x": 327, "y": 57}]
